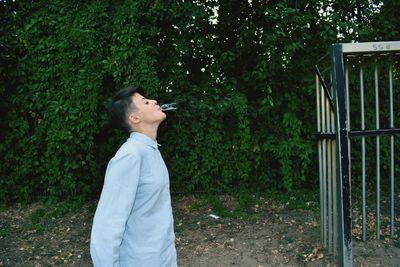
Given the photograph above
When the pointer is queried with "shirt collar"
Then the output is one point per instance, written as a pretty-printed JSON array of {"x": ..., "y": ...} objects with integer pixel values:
[{"x": 144, "y": 139}]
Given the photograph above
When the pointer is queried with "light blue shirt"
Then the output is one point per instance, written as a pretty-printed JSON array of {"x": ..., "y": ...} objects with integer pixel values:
[{"x": 133, "y": 223}]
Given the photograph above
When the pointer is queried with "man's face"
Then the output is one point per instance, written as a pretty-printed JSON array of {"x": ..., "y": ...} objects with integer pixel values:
[{"x": 149, "y": 111}]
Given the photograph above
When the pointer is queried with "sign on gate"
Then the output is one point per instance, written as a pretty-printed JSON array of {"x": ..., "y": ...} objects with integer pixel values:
[{"x": 355, "y": 111}]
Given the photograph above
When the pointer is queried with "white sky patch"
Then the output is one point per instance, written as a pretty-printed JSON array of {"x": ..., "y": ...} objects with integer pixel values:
[
  {"x": 214, "y": 18},
  {"x": 376, "y": 7}
]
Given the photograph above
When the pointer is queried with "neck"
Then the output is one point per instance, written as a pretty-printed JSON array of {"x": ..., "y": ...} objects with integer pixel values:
[{"x": 149, "y": 131}]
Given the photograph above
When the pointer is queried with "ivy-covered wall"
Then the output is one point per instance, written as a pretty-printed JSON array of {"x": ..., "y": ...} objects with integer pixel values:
[{"x": 240, "y": 71}]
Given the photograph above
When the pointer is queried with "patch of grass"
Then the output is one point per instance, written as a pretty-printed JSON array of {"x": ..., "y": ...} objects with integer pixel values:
[
  {"x": 41, "y": 216},
  {"x": 38, "y": 227},
  {"x": 197, "y": 206},
  {"x": 299, "y": 199},
  {"x": 218, "y": 208},
  {"x": 5, "y": 231},
  {"x": 53, "y": 210},
  {"x": 246, "y": 201},
  {"x": 63, "y": 208},
  {"x": 38, "y": 215},
  {"x": 244, "y": 210}
]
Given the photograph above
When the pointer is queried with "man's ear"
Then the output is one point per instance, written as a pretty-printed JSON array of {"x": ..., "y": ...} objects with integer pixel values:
[{"x": 134, "y": 118}]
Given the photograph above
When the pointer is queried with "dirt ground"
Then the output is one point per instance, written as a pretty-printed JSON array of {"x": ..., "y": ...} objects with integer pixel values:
[{"x": 269, "y": 235}]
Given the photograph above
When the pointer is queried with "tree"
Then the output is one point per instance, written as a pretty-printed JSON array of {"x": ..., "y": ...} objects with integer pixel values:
[{"x": 241, "y": 72}]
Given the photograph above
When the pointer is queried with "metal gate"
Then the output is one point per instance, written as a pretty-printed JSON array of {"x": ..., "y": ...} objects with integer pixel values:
[{"x": 357, "y": 95}]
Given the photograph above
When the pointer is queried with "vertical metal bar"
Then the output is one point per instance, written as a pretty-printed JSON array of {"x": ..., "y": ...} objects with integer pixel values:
[
  {"x": 364, "y": 225},
  {"x": 347, "y": 89},
  {"x": 378, "y": 172},
  {"x": 344, "y": 192},
  {"x": 334, "y": 186},
  {"x": 324, "y": 210},
  {"x": 320, "y": 161},
  {"x": 391, "y": 154},
  {"x": 329, "y": 176},
  {"x": 332, "y": 214},
  {"x": 346, "y": 70},
  {"x": 334, "y": 180}
]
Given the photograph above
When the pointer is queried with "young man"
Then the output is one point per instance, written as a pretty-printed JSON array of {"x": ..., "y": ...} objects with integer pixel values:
[{"x": 133, "y": 223}]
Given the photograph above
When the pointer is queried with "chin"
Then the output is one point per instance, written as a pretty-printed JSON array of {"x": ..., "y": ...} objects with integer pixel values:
[{"x": 162, "y": 117}]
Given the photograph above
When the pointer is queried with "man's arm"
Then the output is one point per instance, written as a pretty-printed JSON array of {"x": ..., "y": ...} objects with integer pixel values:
[{"x": 115, "y": 205}]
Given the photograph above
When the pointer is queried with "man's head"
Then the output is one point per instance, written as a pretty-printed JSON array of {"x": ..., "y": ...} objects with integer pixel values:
[{"x": 129, "y": 109}]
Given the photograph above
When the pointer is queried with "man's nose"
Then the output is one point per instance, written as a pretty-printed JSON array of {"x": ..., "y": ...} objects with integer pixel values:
[{"x": 154, "y": 102}]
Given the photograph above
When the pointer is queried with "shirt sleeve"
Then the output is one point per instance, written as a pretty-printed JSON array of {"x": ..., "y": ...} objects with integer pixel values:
[{"x": 115, "y": 205}]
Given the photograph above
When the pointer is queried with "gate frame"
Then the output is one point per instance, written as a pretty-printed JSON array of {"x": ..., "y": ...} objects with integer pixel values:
[{"x": 342, "y": 134}]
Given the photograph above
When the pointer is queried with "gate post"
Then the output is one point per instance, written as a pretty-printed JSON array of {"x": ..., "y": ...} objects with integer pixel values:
[{"x": 343, "y": 167}]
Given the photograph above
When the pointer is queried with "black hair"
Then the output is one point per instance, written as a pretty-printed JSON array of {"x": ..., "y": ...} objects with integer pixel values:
[{"x": 121, "y": 105}]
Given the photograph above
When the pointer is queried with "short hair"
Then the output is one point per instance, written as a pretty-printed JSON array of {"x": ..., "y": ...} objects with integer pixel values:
[{"x": 121, "y": 106}]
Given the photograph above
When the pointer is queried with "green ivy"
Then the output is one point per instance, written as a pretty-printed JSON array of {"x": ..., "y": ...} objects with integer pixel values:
[{"x": 244, "y": 84}]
